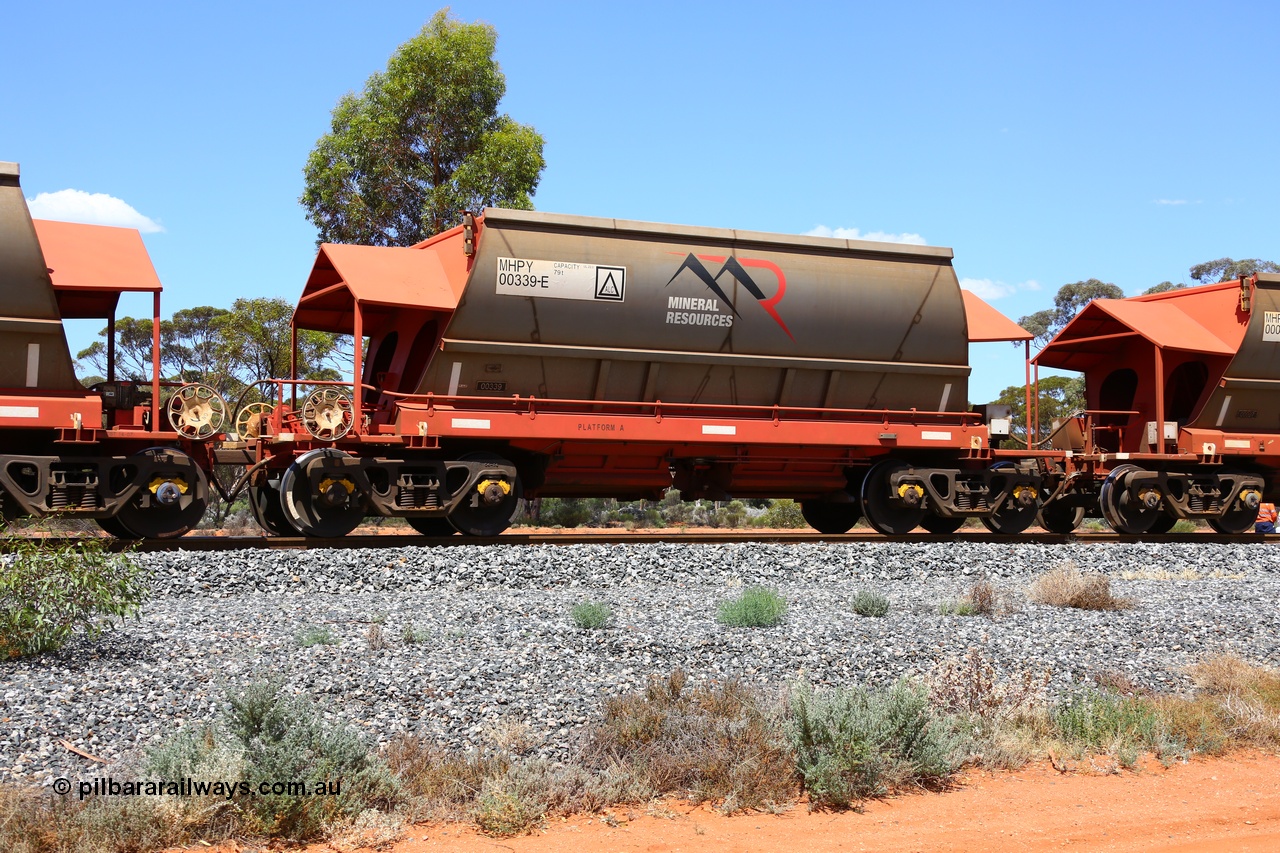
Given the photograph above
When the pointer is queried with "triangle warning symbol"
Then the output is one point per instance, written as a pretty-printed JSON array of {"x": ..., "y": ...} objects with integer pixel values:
[{"x": 608, "y": 288}]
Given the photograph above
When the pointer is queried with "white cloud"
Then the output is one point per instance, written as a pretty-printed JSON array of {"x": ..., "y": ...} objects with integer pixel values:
[
  {"x": 874, "y": 236},
  {"x": 989, "y": 290},
  {"x": 1171, "y": 201},
  {"x": 92, "y": 208}
]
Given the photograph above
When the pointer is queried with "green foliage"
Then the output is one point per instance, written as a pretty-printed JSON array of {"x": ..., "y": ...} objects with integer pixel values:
[
  {"x": 1163, "y": 287},
  {"x": 756, "y": 607},
  {"x": 591, "y": 615},
  {"x": 1123, "y": 726},
  {"x": 316, "y": 635},
  {"x": 411, "y": 635},
  {"x": 567, "y": 512},
  {"x": 1069, "y": 301},
  {"x": 502, "y": 812},
  {"x": 421, "y": 143},
  {"x": 782, "y": 514},
  {"x": 1060, "y": 397},
  {"x": 225, "y": 349},
  {"x": 731, "y": 515},
  {"x": 868, "y": 603},
  {"x": 1226, "y": 269},
  {"x": 48, "y": 594},
  {"x": 284, "y": 738},
  {"x": 958, "y": 607},
  {"x": 858, "y": 743}
]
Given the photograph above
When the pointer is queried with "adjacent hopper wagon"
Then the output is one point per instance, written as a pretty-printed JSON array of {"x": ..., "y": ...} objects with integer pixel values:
[{"x": 525, "y": 354}]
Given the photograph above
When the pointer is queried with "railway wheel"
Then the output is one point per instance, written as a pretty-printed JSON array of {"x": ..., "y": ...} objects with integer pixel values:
[
  {"x": 432, "y": 525},
  {"x": 1058, "y": 517},
  {"x": 1163, "y": 523},
  {"x": 831, "y": 518},
  {"x": 941, "y": 525},
  {"x": 268, "y": 510},
  {"x": 1236, "y": 520},
  {"x": 170, "y": 504},
  {"x": 487, "y": 511},
  {"x": 328, "y": 508},
  {"x": 883, "y": 513},
  {"x": 115, "y": 528},
  {"x": 1127, "y": 511},
  {"x": 1018, "y": 511}
]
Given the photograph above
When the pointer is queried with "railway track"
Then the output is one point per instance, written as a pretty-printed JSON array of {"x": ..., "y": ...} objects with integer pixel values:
[{"x": 402, "y": 540}]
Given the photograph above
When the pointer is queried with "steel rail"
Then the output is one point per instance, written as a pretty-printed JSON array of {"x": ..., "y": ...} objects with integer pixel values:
[{"x": 405, "y": 540}]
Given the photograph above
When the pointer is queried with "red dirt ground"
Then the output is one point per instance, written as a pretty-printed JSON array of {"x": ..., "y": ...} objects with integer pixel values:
[{"x": 1207, "y": 806}]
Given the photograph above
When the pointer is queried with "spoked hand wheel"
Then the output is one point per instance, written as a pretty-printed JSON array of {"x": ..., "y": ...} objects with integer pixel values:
[
  {"x": 254, "y": 420},
  {"x": 196, "y": 411},
  {"x": 328, "y": 414}
]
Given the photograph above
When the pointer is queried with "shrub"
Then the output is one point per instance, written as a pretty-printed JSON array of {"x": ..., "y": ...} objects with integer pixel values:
[
  {"x": 1067, "y": 586},
  {"x": 1122, "y": 726},
  {"x": 757, "y": 607},
  {"x": 441, "y": 784},
  {"x": 284, "y": 738},
  {"x": 1000, "y": 720},
  {"x": 960, "y": 607},
  {"x": 870, "y": 604},
  {"x": 316, "y": 635},
  {"x": 1249, "y": 697},
  {"x": 982, "y": 599},
  {"x": 411, "y": 635},
  {"x": 591, "y": 615},
  {"x": 377, "y": 638},
  {"x": 782, "y": 514},
  {"x": 856, "y": 743},
  {"x": 710, "y": 743},
  {"x": 568, "y": 512},
  {"x": 49, "y": 593}
]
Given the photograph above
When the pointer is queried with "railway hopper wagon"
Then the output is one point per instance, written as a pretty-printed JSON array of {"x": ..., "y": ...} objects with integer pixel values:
[
  {"x": 131, "y": 455},
  {"x": 1183, "y": 409},
  {"x": 531, "y": 354}
]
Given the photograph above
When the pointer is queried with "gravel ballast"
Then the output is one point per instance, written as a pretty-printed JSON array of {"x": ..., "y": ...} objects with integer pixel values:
[{"x": 495, "y": 643}]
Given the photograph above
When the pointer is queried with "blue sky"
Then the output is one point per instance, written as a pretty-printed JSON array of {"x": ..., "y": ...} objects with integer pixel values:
[{"x": 1044, "y": 143}]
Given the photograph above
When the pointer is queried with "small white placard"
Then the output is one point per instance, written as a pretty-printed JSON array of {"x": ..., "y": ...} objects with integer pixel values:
[
  {"x": 19, "y": 412},
  {"x": 931, "y": 435},
  {"x": 716, "y": 429},
  {"x": 561, "y": 280},
  {"x": 471, "y": 423},
  {"x": 1271, "y": 325}
]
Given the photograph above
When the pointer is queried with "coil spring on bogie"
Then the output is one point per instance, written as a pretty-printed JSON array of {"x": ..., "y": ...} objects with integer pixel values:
[
  {"x": 74, "y": 488},
  {"x": 417, "y": 492}
]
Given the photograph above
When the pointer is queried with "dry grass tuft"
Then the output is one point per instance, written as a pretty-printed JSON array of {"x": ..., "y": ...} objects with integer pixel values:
[
  {"x": 442, "y": 784},
  {"x": 1067, "y": 586},
  {"x": 710, "y": 743},
  {"x": 1249, "y": 696}
]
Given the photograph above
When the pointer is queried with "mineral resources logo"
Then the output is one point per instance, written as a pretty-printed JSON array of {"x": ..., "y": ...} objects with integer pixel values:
[{"x": 687, "y": 311}]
